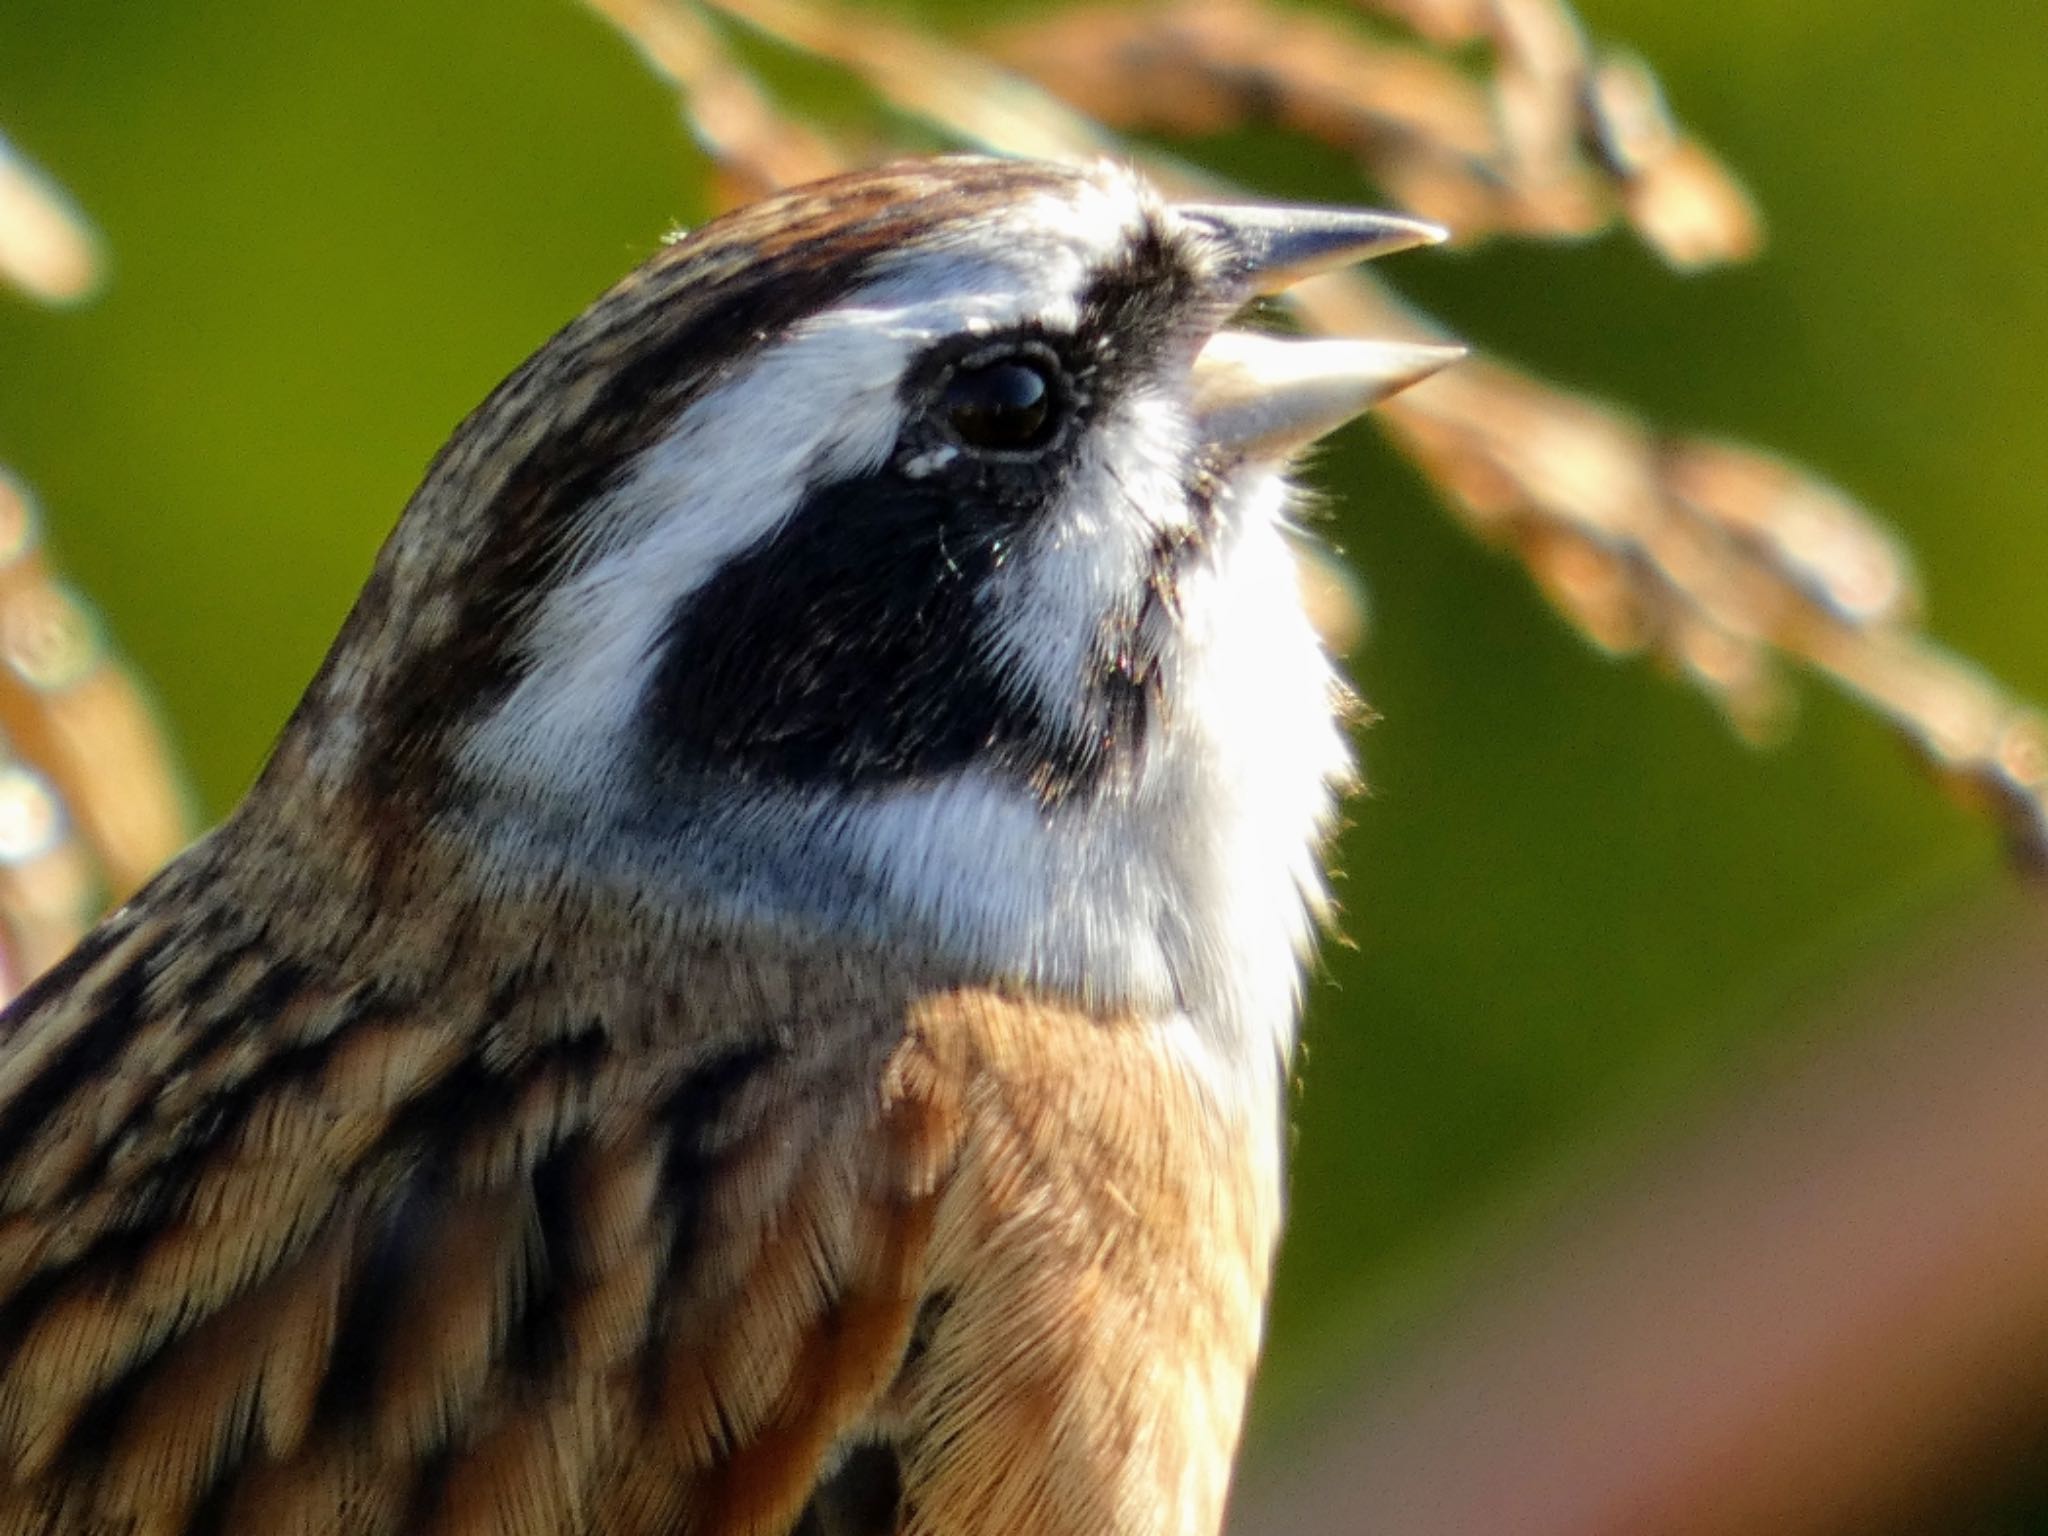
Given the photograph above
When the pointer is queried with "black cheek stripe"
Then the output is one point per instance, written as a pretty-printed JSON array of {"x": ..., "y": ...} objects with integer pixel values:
[{"x": 852, "y": 650}]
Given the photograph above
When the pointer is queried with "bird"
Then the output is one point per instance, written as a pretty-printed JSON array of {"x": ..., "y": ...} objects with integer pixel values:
[{"x": 754, "y": 993}]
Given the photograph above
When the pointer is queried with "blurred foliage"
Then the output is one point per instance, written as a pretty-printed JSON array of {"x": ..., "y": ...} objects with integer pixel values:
[{"x": 1575, "y": 901}]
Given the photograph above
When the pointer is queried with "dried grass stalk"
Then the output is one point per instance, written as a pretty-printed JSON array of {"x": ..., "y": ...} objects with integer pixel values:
[
  {"x": 90, "y": 802},
  {"x": 46, "y": 248}
]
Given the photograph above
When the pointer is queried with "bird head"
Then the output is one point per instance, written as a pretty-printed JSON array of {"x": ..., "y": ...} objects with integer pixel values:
[{"x": 900, "y": 557}]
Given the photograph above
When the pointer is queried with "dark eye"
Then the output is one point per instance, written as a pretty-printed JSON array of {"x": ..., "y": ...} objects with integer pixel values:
[{"x": 1007, "y": 403}]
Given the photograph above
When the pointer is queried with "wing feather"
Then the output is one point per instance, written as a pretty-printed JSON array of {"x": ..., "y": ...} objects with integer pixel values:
[
  {"x": 286, "y": 1252},
  {"x": 280, "y": 1254}
]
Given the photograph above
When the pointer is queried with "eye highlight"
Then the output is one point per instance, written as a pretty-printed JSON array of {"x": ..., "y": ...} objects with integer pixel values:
[{"x": 1006, "y": 403}]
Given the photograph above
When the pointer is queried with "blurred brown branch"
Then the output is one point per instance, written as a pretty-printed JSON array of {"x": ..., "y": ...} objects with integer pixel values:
[
  {"x": 46, "y": 249},
  {"x": 89, "y": 801}
]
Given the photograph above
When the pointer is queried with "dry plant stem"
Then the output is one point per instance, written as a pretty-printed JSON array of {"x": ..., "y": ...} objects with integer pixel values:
[
  {"x": 1554, "y": 96},
  {"x": 1719, "y": 559},
  {"x": 46, "y": 249},
  {"x": 970, "y": 98},
  {"x": 1502, "y": 154},
  {"x": 1419, "y": 128},
  {"x": 755, "y": 147},
  {"x": 1446, "y": 23},
  {"x": 68, "y": 707},
  {"x": 89, "y": 801}
]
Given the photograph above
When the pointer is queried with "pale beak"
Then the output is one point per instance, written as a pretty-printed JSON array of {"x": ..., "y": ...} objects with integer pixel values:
[
  {"x": 1276, "y": 245},
  {"x": 1265, "y": 397}
]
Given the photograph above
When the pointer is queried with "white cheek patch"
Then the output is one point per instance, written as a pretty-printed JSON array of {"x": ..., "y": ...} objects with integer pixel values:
[
  {"x": 1090, "y": 558},
  {"x": 1194, "y": 888}
]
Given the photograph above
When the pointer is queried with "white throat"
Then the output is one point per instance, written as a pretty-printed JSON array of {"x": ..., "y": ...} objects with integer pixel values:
[{"x": 1196, "y": 888}]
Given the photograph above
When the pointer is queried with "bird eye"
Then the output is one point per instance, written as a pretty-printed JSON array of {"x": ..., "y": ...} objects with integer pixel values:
[{"x": 1007, "y": 404}]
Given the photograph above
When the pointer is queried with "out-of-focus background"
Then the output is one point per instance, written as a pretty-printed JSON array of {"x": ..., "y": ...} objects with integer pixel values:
[{"x": 1601, "y": 953}]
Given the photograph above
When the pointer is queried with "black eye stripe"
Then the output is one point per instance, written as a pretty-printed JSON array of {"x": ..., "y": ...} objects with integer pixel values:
[{"x": 851, "y": 649}]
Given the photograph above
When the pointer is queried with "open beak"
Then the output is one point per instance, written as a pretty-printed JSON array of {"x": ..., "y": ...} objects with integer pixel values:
[{"x": 1265, "y": 397}]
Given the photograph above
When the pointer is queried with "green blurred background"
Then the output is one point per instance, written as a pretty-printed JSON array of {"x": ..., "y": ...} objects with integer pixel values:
[{"x": 1577, "y": 903}]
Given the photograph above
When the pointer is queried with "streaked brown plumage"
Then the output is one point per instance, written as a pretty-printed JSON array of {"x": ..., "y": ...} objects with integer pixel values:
[
  {"x": 590, "y": 1246},
  {"x": 382, "y": 1169}
]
